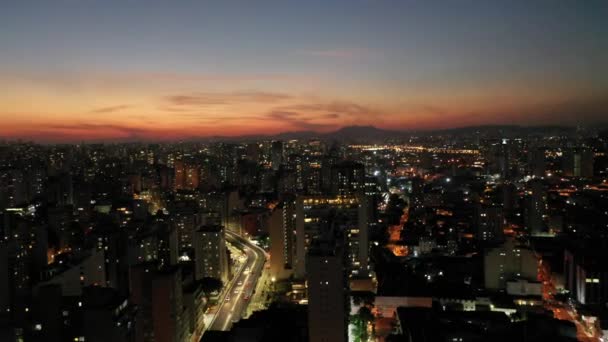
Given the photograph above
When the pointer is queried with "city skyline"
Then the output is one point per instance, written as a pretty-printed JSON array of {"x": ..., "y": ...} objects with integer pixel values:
[
  {"x": 158, "y": 71},
  {"x": 303, "y": 171}
]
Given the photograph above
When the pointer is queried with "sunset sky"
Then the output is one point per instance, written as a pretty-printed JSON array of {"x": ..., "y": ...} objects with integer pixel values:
[{"x": 133, "y": 69}]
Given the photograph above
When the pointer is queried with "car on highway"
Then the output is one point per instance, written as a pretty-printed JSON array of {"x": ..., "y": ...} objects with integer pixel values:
[{"x": 227, "y": 299}]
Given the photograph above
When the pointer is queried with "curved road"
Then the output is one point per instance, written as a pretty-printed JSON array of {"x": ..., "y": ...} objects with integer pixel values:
[{"x": 237, "y": 296}]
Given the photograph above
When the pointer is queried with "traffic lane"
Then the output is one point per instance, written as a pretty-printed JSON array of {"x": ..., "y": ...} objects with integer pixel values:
[
  {"x": 232, "y": 310},
  {"x": 235, "y": 310},
  {"x": 229, "y": 308},
  {"x": 226, "y": 307},
  {"x": 257, "y": 249},
  {"x": 249, "y": 281}
]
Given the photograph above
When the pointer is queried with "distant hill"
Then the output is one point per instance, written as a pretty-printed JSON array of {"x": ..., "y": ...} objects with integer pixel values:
[
  {"x": 504, "y": 131},
  {"x": 353, "y": 134},
  {"x": 363, "y": 133}
]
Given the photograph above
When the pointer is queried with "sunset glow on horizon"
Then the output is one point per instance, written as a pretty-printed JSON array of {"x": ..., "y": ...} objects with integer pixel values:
[{"x": 73, "y": 71}]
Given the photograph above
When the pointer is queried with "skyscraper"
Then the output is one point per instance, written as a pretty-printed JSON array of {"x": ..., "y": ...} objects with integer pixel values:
[
  {"x": 187, "y": 175},
  {"x": 282, "y": 239},
  {"x": 490, "y": 223},
  {"x": 578, "y": 162},
  {"x": 158, "y": 296},
  {"x": 347, "y": 178},
  {"x": 327, "y": 301},
  {"x": 536, "y": 207},
  {"x": 536, "y": 162},
  {"x": 349, "y": 215},
  {"x": 210, "y": 255}
]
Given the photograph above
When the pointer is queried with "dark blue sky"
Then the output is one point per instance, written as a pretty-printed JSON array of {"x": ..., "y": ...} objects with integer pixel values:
[{"x": 474, "y": 61}]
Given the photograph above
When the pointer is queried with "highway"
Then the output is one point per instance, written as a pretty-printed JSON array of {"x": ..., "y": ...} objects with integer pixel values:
[{"x": 242, "y": 285}]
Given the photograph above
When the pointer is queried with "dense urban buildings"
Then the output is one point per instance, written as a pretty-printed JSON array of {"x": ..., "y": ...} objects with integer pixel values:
[
  {"x": 365, "y": 236},
  {"x": 303, "y": 171}
]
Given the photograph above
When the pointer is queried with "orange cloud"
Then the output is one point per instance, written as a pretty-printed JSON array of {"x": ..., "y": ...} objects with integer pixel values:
[{"x": 110, "y": 109}]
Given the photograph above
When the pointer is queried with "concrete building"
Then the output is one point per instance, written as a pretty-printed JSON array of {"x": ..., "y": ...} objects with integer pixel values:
[
  {"x": 276, "y": 154},
  {"x": 524, "y": 288},
  {"x": 5, "y": 285},
  {"x": 578, "y": 162},
  {"x": 157, "y": 243},
  {"x": 106, "y": 316},
  {"x": 187, "y": 175},
  {"x": 347, "y": 178},
  {"x": 327, "y": 293},
  {"x": 586, "y": 274},
  {"x": 210, "y": 254},
  {"x": 185, "y": 217},
  {"x": 536, "y": 162},
  {"x": 195, "y": 303},
  {"x": 158, "y": 296},
  {"x": 509, "y": 262},
  {"x": 535, "y": 210},
  {"x": 74, "y": 272},
  {"x": 490, "y": 223},
  {"x": 282, "y": 229},
  {"x": 348, "y": 213}
]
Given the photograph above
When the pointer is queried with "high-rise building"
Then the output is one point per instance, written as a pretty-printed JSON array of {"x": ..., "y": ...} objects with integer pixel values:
[
  {"x": 60, "y": 189},
  {"x": 510, "y": 261},
  {"x": 295, "y": 164},
  {"x": 282, "y": 239},
  {"x": 327, "y": 289},
  {"x": 158, "y": 297},
  {"x": 185, "y": 217},
  {"x": 106, "y": 316},
  {"x": 349, "y": 214},
  {"x": 586, "y": 275},
  {"x": 536, "y": 162},
  {"x": 314, "y": 179},
  {"x": 348, "y": 178},
  {"x": 535, "y": 210},
  {"x": 5, "y": 284},
  {"x": 416, "y": 195},
  {"x": 180, "y": 175},
  {"x": 211, "y": 258},
  {"x": 490, "y": 223},
  {"x": 276, "y": 154},
  {"x": 187, "y": 175},
  {"x": 253, "y": 152},
  {"x": 12, "y": 188},
  {"x": 158, "y": 242},
  {"x": 500, "y": 158},
  {"x": 74, "y": 272},
  {"x": 508, "y": 198},
  {"x": 578, "y": 162}
]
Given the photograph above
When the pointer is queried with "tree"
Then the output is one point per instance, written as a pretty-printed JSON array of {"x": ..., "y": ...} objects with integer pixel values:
[
  {"x": 362, "y": 298},
  {"x": 366, "y": 314},
  {"x": 359, "y": 329},
  {"x": 211, "y": 285},
  {"x": 360, "y": 322}
]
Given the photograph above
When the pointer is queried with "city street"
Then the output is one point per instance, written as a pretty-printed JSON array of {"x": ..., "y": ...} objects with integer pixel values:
[
  {"x": 240, "y": 289},
  {"x": 566, "y": 310}
]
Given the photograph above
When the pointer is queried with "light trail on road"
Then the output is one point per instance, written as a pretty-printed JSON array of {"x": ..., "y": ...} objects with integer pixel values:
[{"x": 230, "y": 311}]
